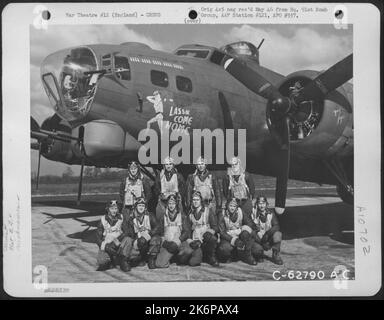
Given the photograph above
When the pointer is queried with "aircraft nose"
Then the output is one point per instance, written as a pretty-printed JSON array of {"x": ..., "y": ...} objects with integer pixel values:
[{"x": 70, "y": 77}]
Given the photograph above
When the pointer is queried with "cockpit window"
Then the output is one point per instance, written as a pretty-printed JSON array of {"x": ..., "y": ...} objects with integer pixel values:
[
  {"x": 183, "y": 84},
  {"x": 159, "y": 78},
  {"x": 241, "y": 48},
  {"x": 193, "y": 53},
  {"x": 122, "y": 69},
  {"x": 217, "y": 57},
  {"x": 244, "y": 49}
]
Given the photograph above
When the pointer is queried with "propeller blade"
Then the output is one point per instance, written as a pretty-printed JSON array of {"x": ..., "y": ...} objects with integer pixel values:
[
  {"x": 283, "y": 173},
  {"x": 258, "y": 84},
  {"x": 327, "y": 81},
  {"x": 251, "y": 79},
  {"x": 34, "y": 125},
  {"x": 34, "y": 145},
  {"x": 81, "y": 146},
  {"x": 228, "y": 123},
  {"x": 38, "y": 168},
  {"x": 80, "y": 181}
]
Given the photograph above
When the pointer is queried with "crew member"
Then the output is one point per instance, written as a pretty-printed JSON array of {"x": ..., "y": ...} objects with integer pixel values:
[
  {"x": 204, "y": 182},
  {"x": 134, "y": 186},
  {"x": 112, "y": 241},
  {"x": 235, "y": 235},
  {"x": 174, "y": 229},
  {"x": 143, "y": 235},
  {"x": 266, "y": 229},
  {"x": 168, "y": 182},
  {"x": 238, "y": 184},
  {"x": 201, "y": 245}
]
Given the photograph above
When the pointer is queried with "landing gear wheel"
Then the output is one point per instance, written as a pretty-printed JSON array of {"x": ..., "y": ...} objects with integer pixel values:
[{"x": 345, "y": 194}]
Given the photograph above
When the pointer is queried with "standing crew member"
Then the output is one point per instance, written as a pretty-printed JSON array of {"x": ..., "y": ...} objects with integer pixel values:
[
  {"x": 168, "y": 182},
  {"x": 266, "y": 228},
  {"x": 204, "y": 182},
  {"x": 134, "y": 186},
  {"x": 112, "y": 241},
  {"x": 239, "y": 185},
  {"x": 173, "y": 229},
  {"x": 201, "y": 245},
  {"x": 143, "y": 235},
  {"x": 235, "y": 235}
]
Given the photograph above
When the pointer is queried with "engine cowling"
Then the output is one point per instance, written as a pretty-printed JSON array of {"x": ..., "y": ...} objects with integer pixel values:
[
  {"x": 104, "y": 139},
  {"x": 54, "y": 149},
  {"x": 322, "y": 127}
]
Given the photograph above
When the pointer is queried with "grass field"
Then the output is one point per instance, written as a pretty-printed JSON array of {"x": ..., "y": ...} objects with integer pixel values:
[
  {"x": 261, "y": 182},
  {"x": 69, "y": 188}
]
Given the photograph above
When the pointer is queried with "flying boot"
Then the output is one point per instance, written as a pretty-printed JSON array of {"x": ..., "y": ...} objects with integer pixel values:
[
  {"x": 152, "y": 261},
  {"x": 276, "y": 259},
  {"x": 125, "y": 265}
]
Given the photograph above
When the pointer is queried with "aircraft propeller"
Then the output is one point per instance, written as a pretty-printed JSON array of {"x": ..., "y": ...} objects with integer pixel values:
[
  {"x": 82, "y": 151},
  {"x": 43, "y": 135},
  {"x": 281, "y": 108},
  {"x": 36, "y": 146}
]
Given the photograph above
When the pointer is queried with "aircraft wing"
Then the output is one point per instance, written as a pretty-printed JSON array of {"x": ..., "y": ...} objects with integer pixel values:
[{"x": 42, "y": 134}]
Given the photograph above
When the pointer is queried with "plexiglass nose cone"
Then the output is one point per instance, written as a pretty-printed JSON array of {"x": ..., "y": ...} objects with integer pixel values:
[{"x": 69, "y": 82}]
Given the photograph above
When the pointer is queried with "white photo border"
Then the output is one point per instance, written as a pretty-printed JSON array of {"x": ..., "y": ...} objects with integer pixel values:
[{"x": 17, "y": 263}]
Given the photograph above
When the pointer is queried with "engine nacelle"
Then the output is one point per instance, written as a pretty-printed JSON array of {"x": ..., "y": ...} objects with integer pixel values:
[
  {"x": 104, "y": 138},
  {"x": 53, "y": 149},
  {"x": 321, "y": 127}
]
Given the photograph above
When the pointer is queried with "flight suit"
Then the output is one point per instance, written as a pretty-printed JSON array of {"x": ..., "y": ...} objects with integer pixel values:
[
  {"x": 172, "y": 232},
  {"x": 113, "y": 242},
  {"x": 143, "y": 237},
  {"x": 266, "y": 232},
  {"x": 202, "y": 242},
  {"x": 241, "y": 187},
  {"x": 168, "y": 183},
  {"x": 235, "y": 238},
  {"x": 207, "y": 185},
  {"x": 132, "y": 189}
]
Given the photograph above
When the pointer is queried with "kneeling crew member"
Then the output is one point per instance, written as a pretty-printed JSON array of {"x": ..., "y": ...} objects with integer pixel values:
[
  {"x": 113, "y": 242},
  {"x": 267, "y": 231},
  {"x": 173, "y": 229},
  {"x": 201, "y": 245},
  {"x": 143, "y": 233},
  {"x": 235, "y": 235}
]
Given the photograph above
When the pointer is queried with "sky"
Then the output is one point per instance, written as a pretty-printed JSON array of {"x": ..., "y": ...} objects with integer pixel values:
[{"x": 286, "y": 49}]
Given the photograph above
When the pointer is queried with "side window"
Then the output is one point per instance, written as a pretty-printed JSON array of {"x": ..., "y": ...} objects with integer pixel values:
[
  {"x": 159, "y": 78},
  {"x": 106, "y": 62},
  {"x": 122, "y": 68},
  {"x": 51, "y": 87},
  {"x": 217, "y": 57},
  {"x": 183, "y": 84}
]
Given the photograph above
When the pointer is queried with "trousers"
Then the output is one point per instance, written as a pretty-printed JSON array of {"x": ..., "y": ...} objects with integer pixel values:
[{"x": 124, "y": 250}]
